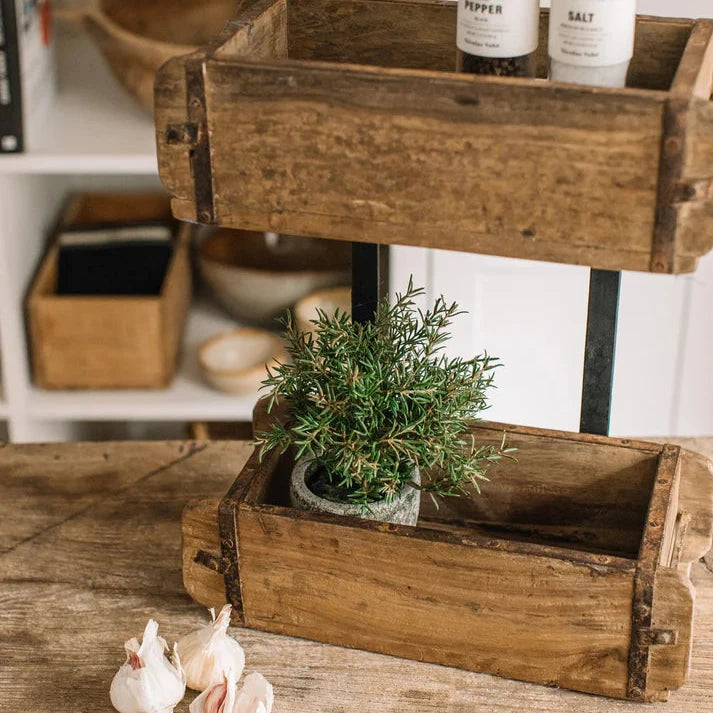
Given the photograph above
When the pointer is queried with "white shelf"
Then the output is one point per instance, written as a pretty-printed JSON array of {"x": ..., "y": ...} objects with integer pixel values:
[
  {"x": 93, "y": 126},
  {"x": 188, "y": 398}
]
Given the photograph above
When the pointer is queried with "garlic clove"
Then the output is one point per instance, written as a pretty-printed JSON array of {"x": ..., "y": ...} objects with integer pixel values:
[
  {"x": 148, "y": 682},
  {"x": 210, "y": 653},
  {"x": 217, "y": 699},
  {"x": 256, "y": 695}
]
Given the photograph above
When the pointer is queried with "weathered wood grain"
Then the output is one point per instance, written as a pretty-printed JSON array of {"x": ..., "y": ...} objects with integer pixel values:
[
  {"x": 387, "y": 144},
  {"x": 550, "y": 510},
  {"x": 380, "y": 33},
  {"x": 359, "y": 138},
  {"x": 260, "y": 33},
  {"x": 471, "y": 607},
  {"x": 61, "y": 631},
  {"x": 568, "y": 491}
]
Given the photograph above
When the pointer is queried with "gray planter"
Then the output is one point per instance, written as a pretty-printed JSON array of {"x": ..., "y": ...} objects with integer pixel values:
[{"x": 402, "y": 510}]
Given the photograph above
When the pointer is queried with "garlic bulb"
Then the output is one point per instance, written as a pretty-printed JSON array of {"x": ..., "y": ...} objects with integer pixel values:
[
  {"x": 209, "y": 653},
  {"x": 147, "y": 682},
  {"x": 254, "y": 697}
]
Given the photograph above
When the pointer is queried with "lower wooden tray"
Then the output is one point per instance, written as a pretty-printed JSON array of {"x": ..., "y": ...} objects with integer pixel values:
[{"x": 571, "y": 570}]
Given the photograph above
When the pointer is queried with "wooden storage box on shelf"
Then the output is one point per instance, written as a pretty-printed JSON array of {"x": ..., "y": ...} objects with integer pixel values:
[
  {"x": 345, "y": 119},
  {"x": 104, "y": 342},
  {"x": 571, "y": 569}
]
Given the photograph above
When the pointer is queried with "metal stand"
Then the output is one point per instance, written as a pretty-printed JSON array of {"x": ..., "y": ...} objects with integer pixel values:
[
  {"x": 370, "y": 279},
  {"x": 599, "y": 352},
  {"x": 370, "y": 284}
]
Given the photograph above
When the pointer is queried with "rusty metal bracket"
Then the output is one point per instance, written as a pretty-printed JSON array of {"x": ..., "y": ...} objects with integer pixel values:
[
  {"x": 643, "y": 635},
  {"x": 200, "y": 150},
  {"x": 186, "y": 134},
  {"x": 209, "y": 560},
  {"x": 227, "y": 527},
  {"x": 229, "y": 562},
  {"x": 673, "y": 148}
]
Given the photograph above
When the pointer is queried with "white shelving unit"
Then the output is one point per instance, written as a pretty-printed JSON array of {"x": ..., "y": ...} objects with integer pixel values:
[
  {"x": 93, "y": 127},
  {"x": 529, "y": 314},
  {"x": 95, "y": 137}
]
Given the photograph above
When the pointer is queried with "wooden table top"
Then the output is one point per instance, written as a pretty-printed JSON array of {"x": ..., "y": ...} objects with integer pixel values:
[{"x": 90, "y": 549}]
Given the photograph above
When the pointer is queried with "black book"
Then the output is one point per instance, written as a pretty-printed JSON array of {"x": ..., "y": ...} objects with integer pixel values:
[
  {"x": 114, "y": 260},
  {"x": 11, "y": 133},
  {"x": 27, "y": 82}
]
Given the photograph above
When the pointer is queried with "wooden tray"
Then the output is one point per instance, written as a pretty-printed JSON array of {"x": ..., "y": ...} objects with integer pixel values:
[
  {"x": 344, "y": 119},
  {"x": 571, "y": 570},
  {"x": 105, "y": 342}
]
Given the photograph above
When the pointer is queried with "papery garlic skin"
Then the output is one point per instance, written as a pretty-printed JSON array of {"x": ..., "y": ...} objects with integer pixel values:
[
  {"x": 148, "y": 682},
  {"x": 217, "y": 699},
  {"x": 210, "y": 653},
  {"x": 255, "y": 696}
]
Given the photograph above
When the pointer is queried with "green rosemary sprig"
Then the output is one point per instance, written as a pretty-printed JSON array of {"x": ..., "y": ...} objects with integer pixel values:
[{"x": 373, "y": 400}]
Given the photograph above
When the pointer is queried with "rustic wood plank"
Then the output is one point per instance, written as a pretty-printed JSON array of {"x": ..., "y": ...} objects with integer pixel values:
[
  {"x": 380, "y": 33},
  {"x": 673, "y": 601},
  {"x": 199, "y": 537},
  {"x": 693, "y": 81},
  {"x": 694, "y": 76},
  {"x": 659, "y": 46},
  {"x": 467, "y": 598},
  {"x": 173, "y": 136},
  {"x": 68, "y": 632},
  {"x": 362, "y": 133},
  {"x": 66, "y": 488},
  {"x": 152, "y": 484},
  {"x": 260, "y": 32},
  {"x": 605, "y": 503},
  {"x": 695, "y": 495}
]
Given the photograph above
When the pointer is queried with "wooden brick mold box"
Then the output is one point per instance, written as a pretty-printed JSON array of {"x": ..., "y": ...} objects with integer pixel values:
[
  {"x": 344, "y": 119},
  {"x": 571, "y": 570},
  {"x": 104, "y": 342}
]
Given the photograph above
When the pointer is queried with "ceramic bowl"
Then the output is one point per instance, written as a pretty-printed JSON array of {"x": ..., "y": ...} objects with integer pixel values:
[
  {"x": 257, "y": 278},
  {"x": 330, "y": 300},
  {"x": 137, "y": 37},
  {"x": 235, "y": 361}
]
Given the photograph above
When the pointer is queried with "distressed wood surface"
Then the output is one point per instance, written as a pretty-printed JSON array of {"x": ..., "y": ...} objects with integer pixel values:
[
  {"x": 89, "y": 549},
  {"x": 528, "y": 512},
  {"x": 320, "y": 112}
]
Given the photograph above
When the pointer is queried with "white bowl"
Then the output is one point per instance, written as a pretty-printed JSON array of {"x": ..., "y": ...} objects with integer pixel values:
[
  {"x": 235, "y": 361},
  {"x": 257, "y": 279},
  {"x": 335, "y": 298}
]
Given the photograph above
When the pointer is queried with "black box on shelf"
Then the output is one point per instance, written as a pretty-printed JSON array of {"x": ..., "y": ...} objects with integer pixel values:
[{"x": 27, "y": 81}]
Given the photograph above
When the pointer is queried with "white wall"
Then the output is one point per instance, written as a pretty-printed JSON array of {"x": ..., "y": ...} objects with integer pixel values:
[{"x": 533, "y": 316}]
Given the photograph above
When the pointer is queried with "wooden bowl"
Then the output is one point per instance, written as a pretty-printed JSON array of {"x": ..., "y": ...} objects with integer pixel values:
[
  {"x": 235, "y": 361},
  {"x": 138, "y": 36},
  {"x": 257, "y": 279},
  {"x": 335, "y": 298}
]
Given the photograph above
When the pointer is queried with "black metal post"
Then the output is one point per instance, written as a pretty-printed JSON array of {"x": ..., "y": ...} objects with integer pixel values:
[
  {"x": 599, "y": 351},
  {"x": 370, "y": 279}
]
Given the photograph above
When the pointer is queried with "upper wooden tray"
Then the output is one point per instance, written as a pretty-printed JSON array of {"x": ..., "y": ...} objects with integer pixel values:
[{"x": 343, "y": 119}]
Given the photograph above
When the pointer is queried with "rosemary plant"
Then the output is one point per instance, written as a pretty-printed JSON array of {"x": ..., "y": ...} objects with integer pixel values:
[{"x": 370, "y": 401}]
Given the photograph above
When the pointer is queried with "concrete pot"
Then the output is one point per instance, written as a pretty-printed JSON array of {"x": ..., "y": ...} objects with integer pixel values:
[{"x": 401, "y": 510}]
